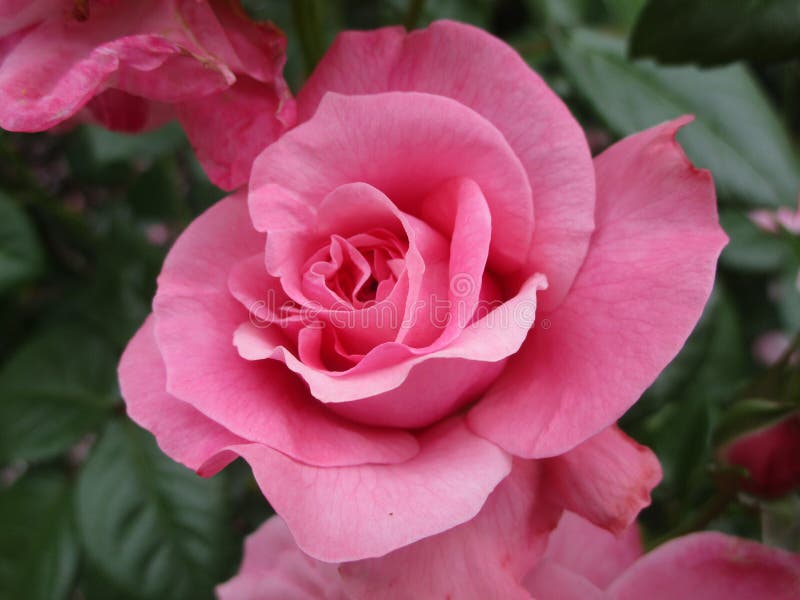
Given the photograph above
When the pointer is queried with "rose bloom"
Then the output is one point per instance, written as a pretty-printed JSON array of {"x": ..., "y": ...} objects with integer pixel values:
[
  {"x": 133, "y": 65},
  {"x": 428, "y": 282},
  {"x": 581, "y": 562}
]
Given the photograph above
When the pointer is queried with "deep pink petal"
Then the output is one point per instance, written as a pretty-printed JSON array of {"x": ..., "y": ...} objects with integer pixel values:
[
  {"x": 406, "y": 145},
  {"x": 351, "y": 513},
  {"x": 467, "y": 64},
  {"x": 195, "y": 321},
  {"x": 228, "y": 129},
  {"x": 648, "y": 274},
  {"x": 771, "y": 456},
  {"x": 121, "y": 111},
  {"x": 712, "y": 566},
  {"x": 607, "y": 479},
  {"x": 274, "y": 568},
  {"x": 483, "y": 558},
  {"x": 182, "y": 432}
]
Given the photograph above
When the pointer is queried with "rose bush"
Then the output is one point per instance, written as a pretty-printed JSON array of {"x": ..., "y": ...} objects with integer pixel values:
[
  {"x": 133, "y": 65},
  {"x": 581, "y": 562},
  {"x": 428, "y": 281}
]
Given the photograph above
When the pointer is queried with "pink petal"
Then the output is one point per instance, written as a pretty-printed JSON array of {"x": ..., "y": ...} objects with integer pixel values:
[
  {"x": 195, "y": 321},
  {"x": 466, "y": 64},
  {"x": 485, "y": 557},
  {"x": 182, "y": 432},
  {"x": 459, "y": 209},
  {"x": 607, "y": 479},
  {"x": 551, "y": 581},
  {"x": 21, "y": 14},
  {"x": 230, "y": 128},
  {"x": 591, "y": 551},
  {"x": 406, "y": 145},
  {"x": 648, "y": 274},
  {"x": 712, "y": 566},
  {"x": 274, "y": 568},
  {"x": 350, "y": 513}
]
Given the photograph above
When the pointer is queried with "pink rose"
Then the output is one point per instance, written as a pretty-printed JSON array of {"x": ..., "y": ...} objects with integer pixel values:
[
  {"x": 581, "y": 562},
  {"x": 360, "y": 326},
  {"x": 771, "y": 457},
  {"x": 133, "y": 65}
]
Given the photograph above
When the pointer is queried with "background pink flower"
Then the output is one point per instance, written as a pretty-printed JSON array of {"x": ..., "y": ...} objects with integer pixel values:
[
  {"x": 133, "y": 65},
  {"x": 429, "y": 169}
]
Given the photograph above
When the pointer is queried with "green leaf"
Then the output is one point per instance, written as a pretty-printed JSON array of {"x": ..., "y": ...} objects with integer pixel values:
[
  {"x": 21, "y": 255},
  {"x": 737, "y": 134},
  {"x": 56, "y": 388},
  {"x": 39, "y": 547},
  {"x": 153, "y": 527},
  {"x": 713, "y": 32},
  {"x": 625, "y": 11},
  {"x": 788, "y": 299},
  {"x": 110, "y": 146},
  {"x": 750, "y": 415},
  {"x": 561, "y": 12}
]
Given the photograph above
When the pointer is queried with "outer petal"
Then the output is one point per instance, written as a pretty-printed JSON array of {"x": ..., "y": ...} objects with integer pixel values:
[
  {"x": 230, "y": 128},
  {"x": 182, "y": 432},
  {"x": 195, "y": 320},
  {"x": 648, "y": 274},
  {"x": 591, "y": 551},
  {"x": 467, "y": 64},
  {"x": 482, "y": 559},
  {"x": 607, "y": 479},
  {"x": 712, "y": 566},
  {"x": 351, "y": 513},
  {"x": 406, "y": 145},
  {"x": 274, "y": 568}
]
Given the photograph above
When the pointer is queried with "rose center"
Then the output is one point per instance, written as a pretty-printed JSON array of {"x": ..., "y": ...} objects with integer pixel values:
[{"x": 356, "y": 271}]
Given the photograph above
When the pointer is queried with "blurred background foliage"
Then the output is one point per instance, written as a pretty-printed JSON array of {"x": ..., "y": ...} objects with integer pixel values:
[{"x": 91, "y": 509}]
